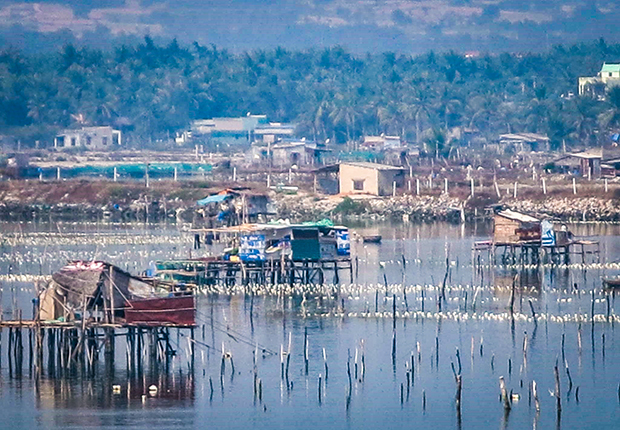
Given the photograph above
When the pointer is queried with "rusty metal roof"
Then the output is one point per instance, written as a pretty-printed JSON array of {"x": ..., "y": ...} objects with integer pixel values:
[{"x": 517, "y": 216}]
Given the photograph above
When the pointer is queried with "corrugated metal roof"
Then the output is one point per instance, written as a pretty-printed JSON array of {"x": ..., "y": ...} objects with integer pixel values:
[
  {"x": 216, "y": 198},
  {"x": 517, "y": 216},
  {"x": 590, "y": 153},
  {"x": 610, "y": 68},
  {"x": 368, "y": 165},
  {"x": 526, "y": 137}
]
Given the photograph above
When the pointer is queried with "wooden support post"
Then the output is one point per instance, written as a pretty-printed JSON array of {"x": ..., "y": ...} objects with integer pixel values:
[{"x": 111, "y": 293}]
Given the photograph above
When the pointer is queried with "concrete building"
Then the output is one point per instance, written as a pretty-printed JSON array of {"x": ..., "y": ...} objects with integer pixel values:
[
  {"x": 595, "y": 86},
  {"x": 593, "y": 163},
  {"x": 288, "y": 153},
  {"x": 93, "y": 138},
  {"x": 274, "y": 131},
  {"x": 379, "y": 143},
  {"x": 523, "y": 142},
  {"x": 369, "y": 178}
]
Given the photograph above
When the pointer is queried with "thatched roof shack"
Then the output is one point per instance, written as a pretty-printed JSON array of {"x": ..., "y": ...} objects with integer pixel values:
[
  {"x": 515, "y": 228},
  {"x": 90, "y": 284}
]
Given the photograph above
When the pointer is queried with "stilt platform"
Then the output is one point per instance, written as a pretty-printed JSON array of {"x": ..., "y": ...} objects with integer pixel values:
[
  {"x": 532, "y": 252},
  {"x": 204, "y": 272}
]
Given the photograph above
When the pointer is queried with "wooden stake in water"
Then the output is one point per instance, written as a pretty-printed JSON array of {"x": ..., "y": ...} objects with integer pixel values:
[
  {"x": 325, "y": 364},
  {"x": 394, "y": 346},
  {"x": 504, "y": 393},
  {"x": 557, "y": 393},
  {"x": 306, "y": 349}
]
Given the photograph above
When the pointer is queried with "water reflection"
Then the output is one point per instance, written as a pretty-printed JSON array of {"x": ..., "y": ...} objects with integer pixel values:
[{"x": 406, "y": 343}]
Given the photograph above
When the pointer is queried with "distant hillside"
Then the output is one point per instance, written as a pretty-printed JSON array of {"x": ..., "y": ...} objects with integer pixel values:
[{"x": 410, "y": 26}]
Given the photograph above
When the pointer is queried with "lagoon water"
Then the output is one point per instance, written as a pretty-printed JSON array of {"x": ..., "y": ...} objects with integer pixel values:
[{"x": 342, "y": 320}]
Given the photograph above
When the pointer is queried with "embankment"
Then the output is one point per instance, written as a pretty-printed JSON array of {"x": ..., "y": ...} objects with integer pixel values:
[{"x": 132, "y": 201}]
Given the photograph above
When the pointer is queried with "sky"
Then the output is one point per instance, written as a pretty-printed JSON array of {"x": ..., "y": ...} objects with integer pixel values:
[{"x": 406, "y": 26}]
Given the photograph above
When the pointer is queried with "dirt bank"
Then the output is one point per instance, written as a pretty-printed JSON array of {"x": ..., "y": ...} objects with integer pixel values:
[{"x": 91, "y": 200}]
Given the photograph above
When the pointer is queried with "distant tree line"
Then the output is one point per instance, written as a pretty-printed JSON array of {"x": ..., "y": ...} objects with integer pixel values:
[{"x": 152, "y": 91}]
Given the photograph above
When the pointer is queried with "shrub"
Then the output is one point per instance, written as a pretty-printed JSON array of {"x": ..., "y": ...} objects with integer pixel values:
[{"x": 349, "y": 206}]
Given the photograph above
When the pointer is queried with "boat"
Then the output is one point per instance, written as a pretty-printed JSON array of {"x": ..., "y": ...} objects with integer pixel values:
[
  {"x": 177, "y": 310},
  {"x": 374, "y": 238},
  {"x": 611, "y": 282}
]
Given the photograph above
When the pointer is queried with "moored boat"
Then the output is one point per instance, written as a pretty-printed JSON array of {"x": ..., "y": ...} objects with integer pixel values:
[{"x": 375, "y": 238}]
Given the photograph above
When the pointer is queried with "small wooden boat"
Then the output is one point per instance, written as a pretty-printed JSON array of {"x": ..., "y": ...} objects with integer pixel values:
[
  {"x": 375, "y": 238},
  {"x": 175, "y": 310},
  {"x": 611, "y": 282}
]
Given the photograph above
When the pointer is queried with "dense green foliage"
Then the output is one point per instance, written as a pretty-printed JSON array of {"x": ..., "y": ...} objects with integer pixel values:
[
  {"x": 152, "y": 91},
  {"x": 349, "y": 206}
]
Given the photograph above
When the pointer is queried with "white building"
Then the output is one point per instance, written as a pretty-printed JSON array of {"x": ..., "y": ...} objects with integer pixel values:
[
  {"x": 596, "y": 85},
  {"x": 94, "y": 138}
]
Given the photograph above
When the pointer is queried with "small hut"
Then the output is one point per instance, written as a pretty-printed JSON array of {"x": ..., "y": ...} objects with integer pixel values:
[
  {"x": 513, "y": 228},
  {"x": 100, "y": 288}
]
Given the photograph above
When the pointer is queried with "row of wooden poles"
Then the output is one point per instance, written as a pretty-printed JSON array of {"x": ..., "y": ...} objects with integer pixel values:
[{"x": 71, "y": 348}]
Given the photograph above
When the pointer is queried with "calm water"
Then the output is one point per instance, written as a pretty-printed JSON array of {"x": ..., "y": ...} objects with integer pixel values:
[{"x": 238, "y": 322}]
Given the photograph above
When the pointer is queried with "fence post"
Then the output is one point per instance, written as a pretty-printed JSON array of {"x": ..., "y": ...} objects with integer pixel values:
[
  {"x": 515, "y": 190},
  {"x": 544, "y": 184},
  {"x": 471, "y": 181},
  {"x": 417, "y": 186},
  {"x": 574, "y": 186}
]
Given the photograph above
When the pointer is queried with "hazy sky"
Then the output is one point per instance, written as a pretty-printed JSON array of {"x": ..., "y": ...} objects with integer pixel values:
[{"x": 360, "y": 25}]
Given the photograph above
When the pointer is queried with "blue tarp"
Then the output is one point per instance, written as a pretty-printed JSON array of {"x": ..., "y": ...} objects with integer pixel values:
[{"x": 216, "y": 198}]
